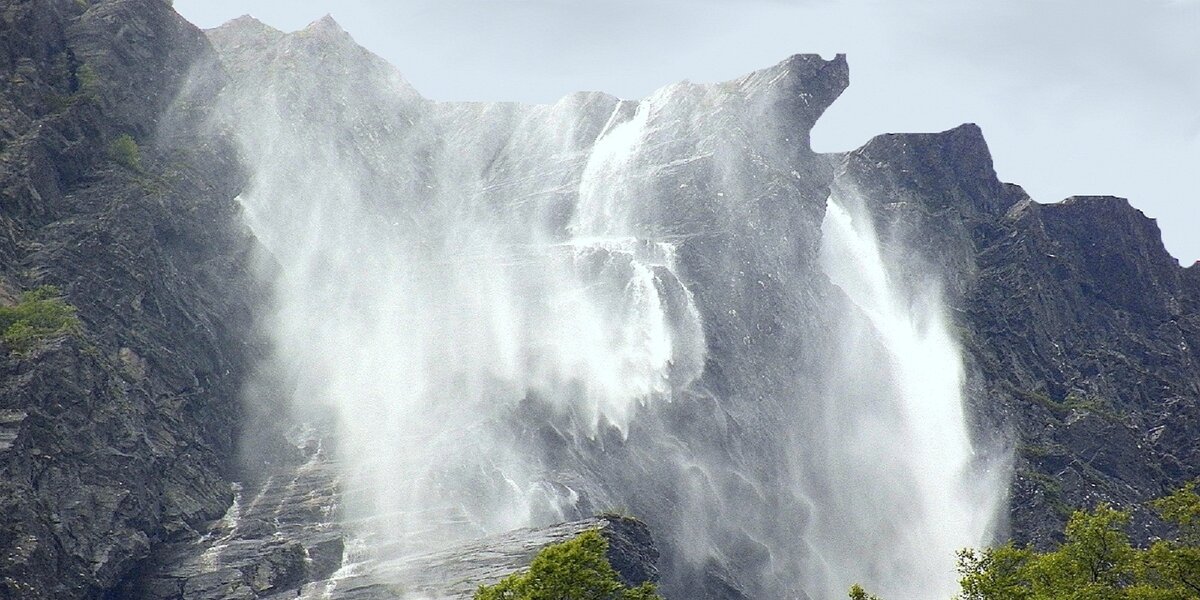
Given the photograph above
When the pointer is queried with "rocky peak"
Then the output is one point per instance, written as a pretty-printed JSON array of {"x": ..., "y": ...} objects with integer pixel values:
[
  {"x": 327, "y": 28},
  {"x": 806, "y": 83},
  {"x": 918, "y": 163},
  {"x": 338, "y": 66},
  {"x": 796, "y": 91},
  {"x": 244, "y": 27},
  {"x": 245, "y": 22},
  {"x": 1120, "y": 245},
  {"x": 1077, "y": 323}
]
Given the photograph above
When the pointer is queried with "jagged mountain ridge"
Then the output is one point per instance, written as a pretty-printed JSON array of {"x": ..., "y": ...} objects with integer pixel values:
[{"x": 1000, "y": 253}]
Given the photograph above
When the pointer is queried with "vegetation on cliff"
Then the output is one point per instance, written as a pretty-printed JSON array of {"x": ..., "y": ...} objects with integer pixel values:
[
  {"x": 577, "y": 569},
  {"x": 40, "y": 314},
  {"x": 125, "y": 152},
  {"x": 1095, "y": 561}
]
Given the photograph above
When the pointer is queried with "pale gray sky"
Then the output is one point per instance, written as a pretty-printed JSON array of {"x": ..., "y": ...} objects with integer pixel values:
[{"x": 1074, "y": 96}]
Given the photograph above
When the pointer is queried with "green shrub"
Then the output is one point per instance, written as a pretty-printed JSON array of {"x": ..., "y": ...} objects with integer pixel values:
[
  {"x": 87, "y": 82},
  {"x": 576, "y": 569},
  {"x": 1095, "y": 561},
  {"x": 41, "y": 313},
  {"x": 124, "y": 151},
  {"x": 858, "y": 593}
]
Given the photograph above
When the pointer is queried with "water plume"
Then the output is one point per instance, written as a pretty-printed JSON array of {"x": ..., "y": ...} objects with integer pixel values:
[
  {"x": 923, "y": 491},
  {"x": 519, "y": 314}
]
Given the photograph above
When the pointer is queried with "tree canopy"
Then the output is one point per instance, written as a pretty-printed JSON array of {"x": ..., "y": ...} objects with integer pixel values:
[
  {"x": 1096, "y": 561},
  {"x": 577, "y": 569}
]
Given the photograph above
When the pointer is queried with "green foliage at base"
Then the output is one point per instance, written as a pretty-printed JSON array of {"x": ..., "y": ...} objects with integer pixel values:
[
  {"x": 576, "y": 569},
  {"x": 41, "y": 313},
  {"x": 858, "y": 593},
  {"x": 1096, "y": 561},
  {"x": 124, "y": 151}
]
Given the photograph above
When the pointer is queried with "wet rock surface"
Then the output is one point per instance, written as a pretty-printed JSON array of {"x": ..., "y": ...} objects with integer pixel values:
[
  {"x": 284, "y": 537},
  {"x": 118, "y": 437},
  {"x": 1081, "y": 330},
  {"x": 280, "y": 532},
  {"x": 456, "y": 572}
]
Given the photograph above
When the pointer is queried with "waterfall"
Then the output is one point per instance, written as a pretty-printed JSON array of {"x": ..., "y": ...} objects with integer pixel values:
[
  {"x": 427, "y": 316},
  {"x": 519, "y": 314},
  {"x": 916, "y": 489}
]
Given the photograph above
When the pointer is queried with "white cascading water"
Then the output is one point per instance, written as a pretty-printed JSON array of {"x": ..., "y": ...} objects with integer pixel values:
[
  {"x": 426, "y": 328},
  {"x": 491, "y": 301},
  {"x": 928, "y": 493}
]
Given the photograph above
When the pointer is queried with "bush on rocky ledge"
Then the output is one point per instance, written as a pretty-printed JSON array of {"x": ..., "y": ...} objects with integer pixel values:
[
  {"x": 124, "y": 151},
  {"x": 577, "y": 569},
  {"x": 41, "y": 313}
]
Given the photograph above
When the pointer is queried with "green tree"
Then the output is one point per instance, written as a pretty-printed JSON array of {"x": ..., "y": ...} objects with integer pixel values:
[
  {"x": 1182, "y": 509},
  {"x": 1175, "y": 564},
  {"x": 858, "y": 593},
  {"x": 1096, "y": 561},
  {"x": 997, "y": 573},
  {"x": 577, "y": 569}
]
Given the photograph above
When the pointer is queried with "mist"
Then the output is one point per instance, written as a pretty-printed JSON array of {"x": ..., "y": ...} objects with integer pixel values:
[
  {"x": 1075, "y": 97},
  {"x": 501, "y": 315}
]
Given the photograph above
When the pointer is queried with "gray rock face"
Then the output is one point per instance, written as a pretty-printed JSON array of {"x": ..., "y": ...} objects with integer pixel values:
[
  {"x": 120, "y": 437},
  {"x": 280, "y": 532},
  {"x": 284, "y": 537},
  {"x": 730, "y": 197},
  {"x": 724, "y": 175},
  {"x": 1081, "y": 328},
  {"x": 118, "y": 445},
  {"x": 455, "y": 572}
]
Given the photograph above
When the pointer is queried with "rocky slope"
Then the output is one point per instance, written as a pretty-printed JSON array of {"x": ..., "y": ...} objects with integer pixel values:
[
  {"x": 118, "y": 442},
  {"x": 120, "y": 437},
  {"x": 1082, "y": 330},
  {"x": 1078, "y": 326},
  {"x": 284, "y": 536},
  {"x": 727, "y": 209}
]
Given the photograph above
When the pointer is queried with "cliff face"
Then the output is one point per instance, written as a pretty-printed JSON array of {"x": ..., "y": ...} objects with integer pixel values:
[
  {"x": 616, "y": 298},
  {"x": 1081, "y": 329},
  {"x": 117, "y": 443},
  {"x": 121, "y": 436}
]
